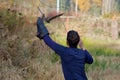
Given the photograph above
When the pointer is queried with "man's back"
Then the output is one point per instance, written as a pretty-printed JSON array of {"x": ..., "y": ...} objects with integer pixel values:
[
  {"x": 73, "y": 60},
  {"x": 74, "y": 64}
]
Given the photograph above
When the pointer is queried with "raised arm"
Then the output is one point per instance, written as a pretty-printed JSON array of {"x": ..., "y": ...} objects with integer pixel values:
[
  {"x": 59, "y": 49},
  {"x": 42, "y": 33}
]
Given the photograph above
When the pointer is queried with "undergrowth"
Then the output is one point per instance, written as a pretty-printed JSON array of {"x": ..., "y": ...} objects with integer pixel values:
[{"x": 24, "y": 57}]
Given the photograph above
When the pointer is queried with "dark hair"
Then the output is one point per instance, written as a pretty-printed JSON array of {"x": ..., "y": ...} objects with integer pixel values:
[{"x": 73, "y": 38}]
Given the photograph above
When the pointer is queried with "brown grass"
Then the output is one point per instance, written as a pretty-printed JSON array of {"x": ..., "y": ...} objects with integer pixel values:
[{"x": 25, "y": 57}]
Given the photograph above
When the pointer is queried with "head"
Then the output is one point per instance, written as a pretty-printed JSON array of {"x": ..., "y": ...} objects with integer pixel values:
[{"x": 73, "y": 39}]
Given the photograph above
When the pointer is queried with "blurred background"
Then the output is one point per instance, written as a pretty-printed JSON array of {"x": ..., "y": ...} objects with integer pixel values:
[{"x": 25, "y": 57}]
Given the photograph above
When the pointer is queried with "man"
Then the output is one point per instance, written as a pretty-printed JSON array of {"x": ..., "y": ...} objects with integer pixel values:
[{"x": 73, "y": 59}]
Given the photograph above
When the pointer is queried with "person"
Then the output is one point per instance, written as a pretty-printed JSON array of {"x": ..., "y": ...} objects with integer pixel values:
[{"x": 72, "y": 59}]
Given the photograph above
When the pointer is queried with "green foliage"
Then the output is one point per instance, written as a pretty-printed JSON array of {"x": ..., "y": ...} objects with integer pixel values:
[
  {"x": 95, "y": 10},
  {"x": 54, "y": 58},
  {"x": 102, "y": 65},
  {"x": 105, "y": 57},
  {"x": 118, "y": 5},
  {"x": 100, "y": 47}
]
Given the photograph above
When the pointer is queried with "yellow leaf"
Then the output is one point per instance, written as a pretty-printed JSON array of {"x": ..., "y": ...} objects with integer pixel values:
[{"x": 84, "y": 5}]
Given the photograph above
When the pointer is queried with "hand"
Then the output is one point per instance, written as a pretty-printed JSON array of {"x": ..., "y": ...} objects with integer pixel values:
[
  {"x": 41, "y": 29},
  {"x": 81, "y": 45}
]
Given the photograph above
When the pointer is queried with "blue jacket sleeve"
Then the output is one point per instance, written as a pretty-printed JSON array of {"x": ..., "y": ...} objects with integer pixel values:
[
  {"x": 89, "y": 58},
  {"x": 59, "y": 49}
]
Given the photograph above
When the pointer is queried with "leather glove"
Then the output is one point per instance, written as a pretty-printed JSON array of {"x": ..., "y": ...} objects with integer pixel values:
[{"x": 41, "y": 29}]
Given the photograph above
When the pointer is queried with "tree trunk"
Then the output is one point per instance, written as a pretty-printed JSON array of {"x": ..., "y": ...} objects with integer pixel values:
[{"x": 108, "y": 6}]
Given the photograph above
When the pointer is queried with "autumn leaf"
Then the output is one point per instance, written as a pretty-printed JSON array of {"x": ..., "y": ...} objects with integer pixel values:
[{"x": 84, "y": 5}]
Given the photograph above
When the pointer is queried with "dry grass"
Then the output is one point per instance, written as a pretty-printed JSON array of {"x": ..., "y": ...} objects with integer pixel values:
[{"x": 24, "y": 57}]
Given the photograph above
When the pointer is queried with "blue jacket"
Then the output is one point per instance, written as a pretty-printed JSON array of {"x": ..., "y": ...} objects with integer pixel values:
[{"x": 73, "y": 60}]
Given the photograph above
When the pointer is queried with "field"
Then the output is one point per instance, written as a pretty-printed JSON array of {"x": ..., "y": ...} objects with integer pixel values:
[{"x": 25, "y": 57}]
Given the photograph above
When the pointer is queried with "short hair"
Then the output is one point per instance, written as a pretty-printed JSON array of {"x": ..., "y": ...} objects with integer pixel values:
[{"x": 73, "y": 38}]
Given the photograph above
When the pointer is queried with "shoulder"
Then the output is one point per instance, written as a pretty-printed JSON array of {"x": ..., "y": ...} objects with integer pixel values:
[{"x": 76, "y": 52}]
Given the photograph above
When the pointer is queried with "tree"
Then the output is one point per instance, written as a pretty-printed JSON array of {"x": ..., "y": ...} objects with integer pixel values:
[
  {"x": 118, "y": 5},
  {"x": 95, "y": 8},
  {"x": 108, "y": 6},
  {"x": 67, "y": 6},
  {"x": 98, "y": 2}
]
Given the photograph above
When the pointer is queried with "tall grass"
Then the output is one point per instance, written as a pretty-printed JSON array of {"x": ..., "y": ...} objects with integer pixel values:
[
  {"x": 24, "y": 57},
  {"x": 106, "y": 58}
]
